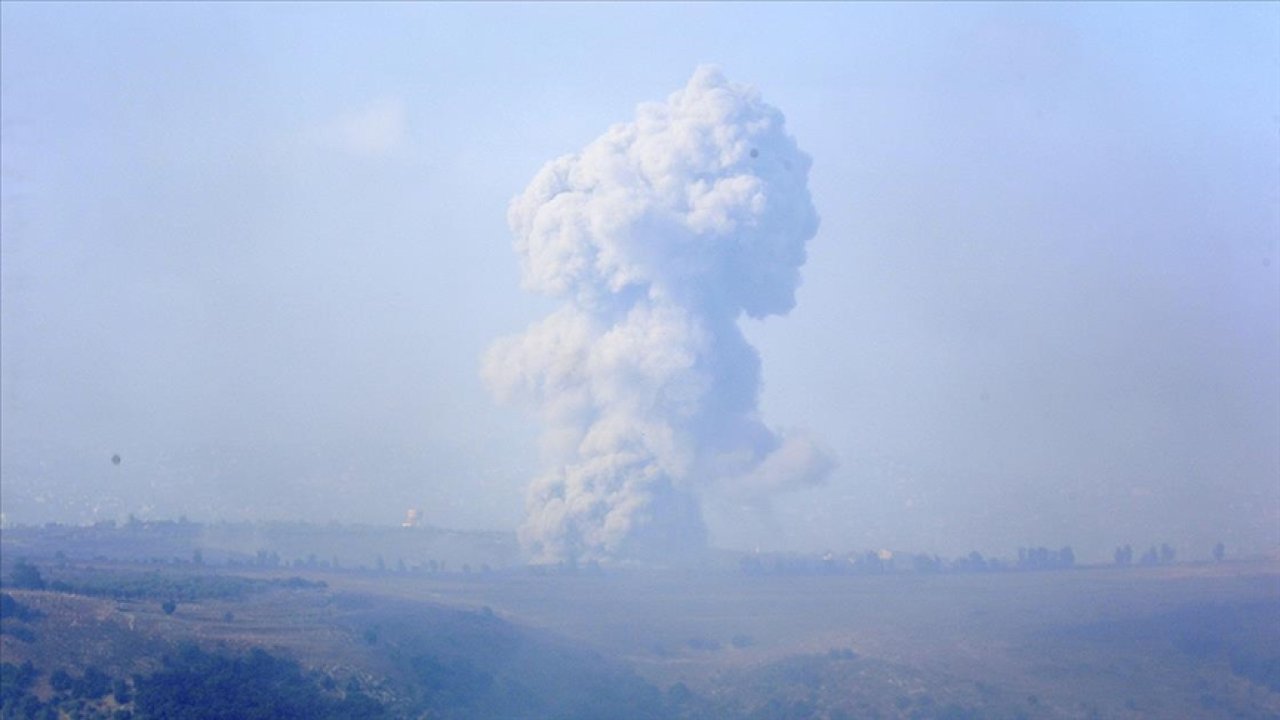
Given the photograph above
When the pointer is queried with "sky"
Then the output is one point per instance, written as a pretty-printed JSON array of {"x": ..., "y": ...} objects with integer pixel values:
[{"x": 259, "y": 250}]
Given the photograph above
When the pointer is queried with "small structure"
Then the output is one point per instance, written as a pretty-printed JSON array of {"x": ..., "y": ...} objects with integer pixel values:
[{"x": 412, "y": 518}]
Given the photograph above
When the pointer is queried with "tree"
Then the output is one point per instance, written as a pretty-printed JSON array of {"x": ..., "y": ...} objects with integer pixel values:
[
  {"x": 15, "y": 681},
  {"x": 256, "y": 685},
  {"x": 169, "y": 606},
  {"x": 25, "y": 575},
  {"x": 1166, "y": 554},
  {"x": 1066, "y": 557},
  {"x": 120, "y": 689},
  {"x": 924, "y": 563},
  {"x": 60, "y": 680},
  {"x": 93, "y": 684},
  {"x": 1219, "y": 552},
  {"x": 1124, "y": 555}
]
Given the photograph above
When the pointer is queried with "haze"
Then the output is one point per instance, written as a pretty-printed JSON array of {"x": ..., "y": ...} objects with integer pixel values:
[{"x": 258, "y": 251}]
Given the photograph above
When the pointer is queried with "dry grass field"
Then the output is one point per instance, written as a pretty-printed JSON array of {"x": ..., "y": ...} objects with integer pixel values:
[
  {"x": 1190, "y": 640},
  {"x": 1112, "y": 642}
]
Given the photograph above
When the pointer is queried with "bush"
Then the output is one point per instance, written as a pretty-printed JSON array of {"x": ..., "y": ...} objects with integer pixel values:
[
  {"x": 60, "y": 680},
  {"x": 20, "y": 633},
  {"x": 26, "y": 576},
  {"x": 12, "y": 609},
  {"x": 704, "y": 644},
  {"x": 120, "y": 689},
  {"x": 15, "y": 681},
  {"x": 94, "y": 684},
  {"x": 195, "y": 685}
]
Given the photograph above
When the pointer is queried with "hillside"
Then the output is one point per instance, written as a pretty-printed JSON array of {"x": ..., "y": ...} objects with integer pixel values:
[{"x": 130, "y": 638}]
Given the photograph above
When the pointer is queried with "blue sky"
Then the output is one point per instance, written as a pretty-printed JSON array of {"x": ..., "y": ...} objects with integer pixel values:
[{"x": 258, "y": 250}]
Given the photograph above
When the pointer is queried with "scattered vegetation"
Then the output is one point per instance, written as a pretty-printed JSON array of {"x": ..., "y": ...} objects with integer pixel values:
[
  {"x": 197, "y": 685},
  {"x": 358, "y": 652},
  {"x": 26, "y": 576},
  {"x": 11, "y": 609},
  {"x": 191, "y": 685},
  {"x": 14, "y": 617},
  {"x": 152, "y": 585}
]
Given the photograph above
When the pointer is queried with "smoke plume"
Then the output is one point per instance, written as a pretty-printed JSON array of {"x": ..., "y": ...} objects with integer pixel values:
[{"x": 657, "y": 236}]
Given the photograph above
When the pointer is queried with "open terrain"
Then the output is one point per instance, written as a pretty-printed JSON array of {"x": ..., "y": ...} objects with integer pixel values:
[{"x": 1178, "y": 640}]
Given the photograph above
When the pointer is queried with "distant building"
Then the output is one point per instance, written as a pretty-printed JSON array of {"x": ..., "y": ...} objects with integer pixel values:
[{"x": 412, "y": 518}]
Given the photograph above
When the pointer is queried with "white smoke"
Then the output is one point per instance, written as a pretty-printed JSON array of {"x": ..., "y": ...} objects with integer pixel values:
[{"x": 658, "y": 236}]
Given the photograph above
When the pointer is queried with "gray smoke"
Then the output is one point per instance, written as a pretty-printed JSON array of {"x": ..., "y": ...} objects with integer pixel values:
[{"x": 657, "y": 236}]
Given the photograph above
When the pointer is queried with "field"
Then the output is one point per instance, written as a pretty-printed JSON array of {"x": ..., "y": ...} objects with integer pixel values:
[
  {"x": 1136, "y": 642},
  {"x": 1189, "y": 640}
]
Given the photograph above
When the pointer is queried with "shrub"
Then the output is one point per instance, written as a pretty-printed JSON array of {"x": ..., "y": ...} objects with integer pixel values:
[{"x": 26, "y": 576}]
